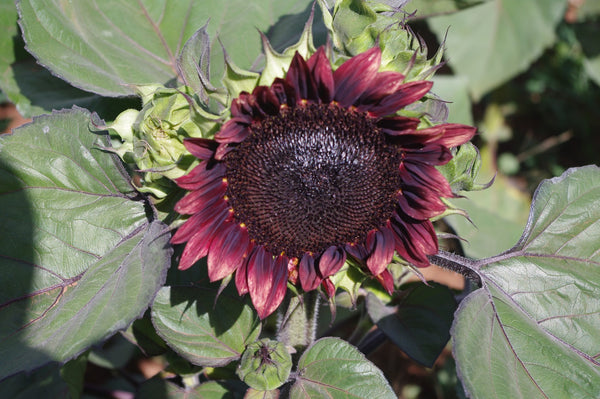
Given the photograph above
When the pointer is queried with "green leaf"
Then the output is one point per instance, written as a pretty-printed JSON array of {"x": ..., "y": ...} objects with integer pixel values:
[
  {"x": 80, "y": 259},
  {"x": 32, "y": 88},
  {"x": 534, "y": 322},
  {"x": 106, "y": 46},
  {"x": 427, "y": 8},
  {"x": 45, "y": 382},
  {"x": 333, "y": 368},
  {"x": 420, "y": 323},
  {"x": 158, "y": 388},
  {"x": 454, "y": 90},
  {"x": 205, "y": 331},
  {"x": 492, "y": 42}
]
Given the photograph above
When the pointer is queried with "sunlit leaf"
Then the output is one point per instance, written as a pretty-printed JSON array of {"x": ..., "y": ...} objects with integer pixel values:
[
  {"x": 79, "y": 257},
  {"x": 332, "y": 368},
  {"x": 535, "y": 322},
  {"x": 105, "y": 46}
]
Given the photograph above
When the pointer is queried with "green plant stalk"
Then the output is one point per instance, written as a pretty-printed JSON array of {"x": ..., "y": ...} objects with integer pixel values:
[{"x": 298, "y": 325}]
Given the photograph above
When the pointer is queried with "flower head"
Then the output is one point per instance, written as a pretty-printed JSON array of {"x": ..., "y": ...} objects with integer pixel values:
[{"x": 310, "y": 170}]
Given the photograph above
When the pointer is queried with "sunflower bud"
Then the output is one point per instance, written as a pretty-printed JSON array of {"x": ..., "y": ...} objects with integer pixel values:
[
  {"x": 265, "y": 365},
  {"x": 153, "y": 141}
]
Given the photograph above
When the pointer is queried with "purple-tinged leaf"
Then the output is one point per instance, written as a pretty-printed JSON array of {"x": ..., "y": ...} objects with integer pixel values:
[
  {"x": 205, "y": 331},
  {"x": 533, "y": 329},
  {"x": 79, "y": 259}
]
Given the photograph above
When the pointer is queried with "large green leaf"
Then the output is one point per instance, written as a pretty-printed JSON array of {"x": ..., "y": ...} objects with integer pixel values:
[
  {"x": 494, "y": 41},
  {"x": 533, "y": 329},
  {"x": 420, "y": 323},
  {"x": 32, "y": 88},
  {"x": 332, "y": 368},
  {"x": 79, "y": 258},
  {"x": 105, "y": 46},
  {"x": 205, "y": 332}
]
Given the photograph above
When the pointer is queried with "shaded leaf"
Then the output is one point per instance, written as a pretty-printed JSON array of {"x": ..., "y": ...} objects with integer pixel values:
[
  {"x": 202, "y": 331},
  {"x": 158, "y": 388},
  {"x": 494, "y": 41},
  {"x": 333, "y": 368},
  {"x": 420, "y": 323},
  {"x": 535, "y": 320},
  {"x": 43, "y": 383},
  {"x": 79, "y": 258}
]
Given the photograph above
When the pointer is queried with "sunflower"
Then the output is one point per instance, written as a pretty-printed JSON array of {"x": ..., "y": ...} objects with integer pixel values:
[{"x": 311, "y": 170}]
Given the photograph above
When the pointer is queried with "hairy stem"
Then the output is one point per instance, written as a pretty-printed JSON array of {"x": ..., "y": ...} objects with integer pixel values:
[
  {"x": 459, "y": 264},
  {"x": 298, "y": 325}
]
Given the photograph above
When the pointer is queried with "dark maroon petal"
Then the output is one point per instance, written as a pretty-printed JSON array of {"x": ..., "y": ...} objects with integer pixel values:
[
  {"x": 328, "y": 287},
  {"x": 241, "y": 109},
  {"x": 414, "y": 239},
  {"x": 232, "y": 131},
  {"x": 200, "y": 175},
  {"x": 381, "y": 244},
  {"x": 320, "y": 68},
  {"x": 415, "y": 174},
  {"x": 284, "y": 92},
  {"x": 354, "y": 76},
  {"x": 387, "y": 281},
  {"x": 309, "y": 279},
  {"x": 358, "y": 252},
  {"x": 449, "y": 134},
  {"x": 201, "y": 148},
  {"x": 241, "y": 278},
  {"x": 198, "y": 221},
  {"x": 430, "y": 154},
  {"x": 266, "y": 100},
  {"x": 396, "y": 125},
  {"x": 267, "y": 281},
  {"x": 405, "y": 95},
  {"x": 331, "y": 261},
  {"x": 201, "y": 198},
  {"x": 227, "y": 252},
  {"x": 301, "y": 79},
  {"x": 197, "y": 246},
  {"x": 420, "y": 207},
  {"x": 384, "y": 84}
]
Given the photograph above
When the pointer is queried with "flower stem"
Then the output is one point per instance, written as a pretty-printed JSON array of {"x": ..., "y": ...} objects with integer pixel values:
[
  {"x": 297, "y": 327},
  {"x": 459, "y": 264}
]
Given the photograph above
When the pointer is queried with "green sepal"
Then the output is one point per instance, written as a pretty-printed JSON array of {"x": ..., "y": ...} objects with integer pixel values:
[
  {"x": 237, "y": 80},
  {"x": 462, "y": 171}
]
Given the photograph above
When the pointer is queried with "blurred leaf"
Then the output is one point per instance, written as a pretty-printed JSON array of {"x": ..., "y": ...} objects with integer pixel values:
[
  {"x": 73, "y": 373},
  {"x": 497, "y": 214},
  {"x": 333, "y": 368},
  {"x": 254, "y": 394},
  {"x": 534, "y": 323},
  {"x": 158, "y": 388},
  {"x": 104, "y": 47},
  {"x": 204, "y": 330},
  {"x": 494, "y": 41},
  {"x": 427, "y": 8},
  {"x": 420, "y": 323},
  {"x": 587, "y": 35},
  {"x": 80, "y": 259},
  {"x": 114, "y": 354},
  {"x": 453, "y": 89},
  {"x": 42, "y": 383},
  {"x": 142, "y": 334}
]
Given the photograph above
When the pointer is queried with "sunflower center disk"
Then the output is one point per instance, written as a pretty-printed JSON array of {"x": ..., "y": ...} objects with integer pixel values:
[{"x": 311, "y": 177}]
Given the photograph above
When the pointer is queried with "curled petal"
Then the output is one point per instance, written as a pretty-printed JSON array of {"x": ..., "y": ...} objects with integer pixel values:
[
  {"x": 419, "y": 204},
  {"x": 358, "y": 252},
  {"x": 201, "y": 198},
  {"x": 199, "y": 221},
  {"x": 266, "y": 101},
  {"x": 284, "y": 92},
  {"x": 201, "y": 175},
  {"x": 200, "y": 148},
  {"x": 331, "y": 261},
  {"x": 426, "y": 176},
  {"x": 227, "y": 252},
  {"x": 414, "y": 239},
  {"x": 397, "y": 125},
  {"x": 299, "y": 77},
  {"x": 430, "y": 154},
  {"x": 232, "y": 131},
  {"x": 407, "y": 94},
  {"x": 307, "y": 272},
  {"x": 267, "y": 281},
  {"x": 381, "y": 244},
  {"x": 320, "y": 68},
  {"x": 354, "y": 76},
  {"x": 328, "y": 287},
  {"x": 387, "y": 281},
  {"x": 449, "y": 134},
  {"x": 197, "y": 246}
]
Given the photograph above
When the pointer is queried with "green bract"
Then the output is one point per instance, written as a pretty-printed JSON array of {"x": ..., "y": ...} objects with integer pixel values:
[
  {"x": 152, "y": 138},
  {"x": 265, "y": 365}
]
